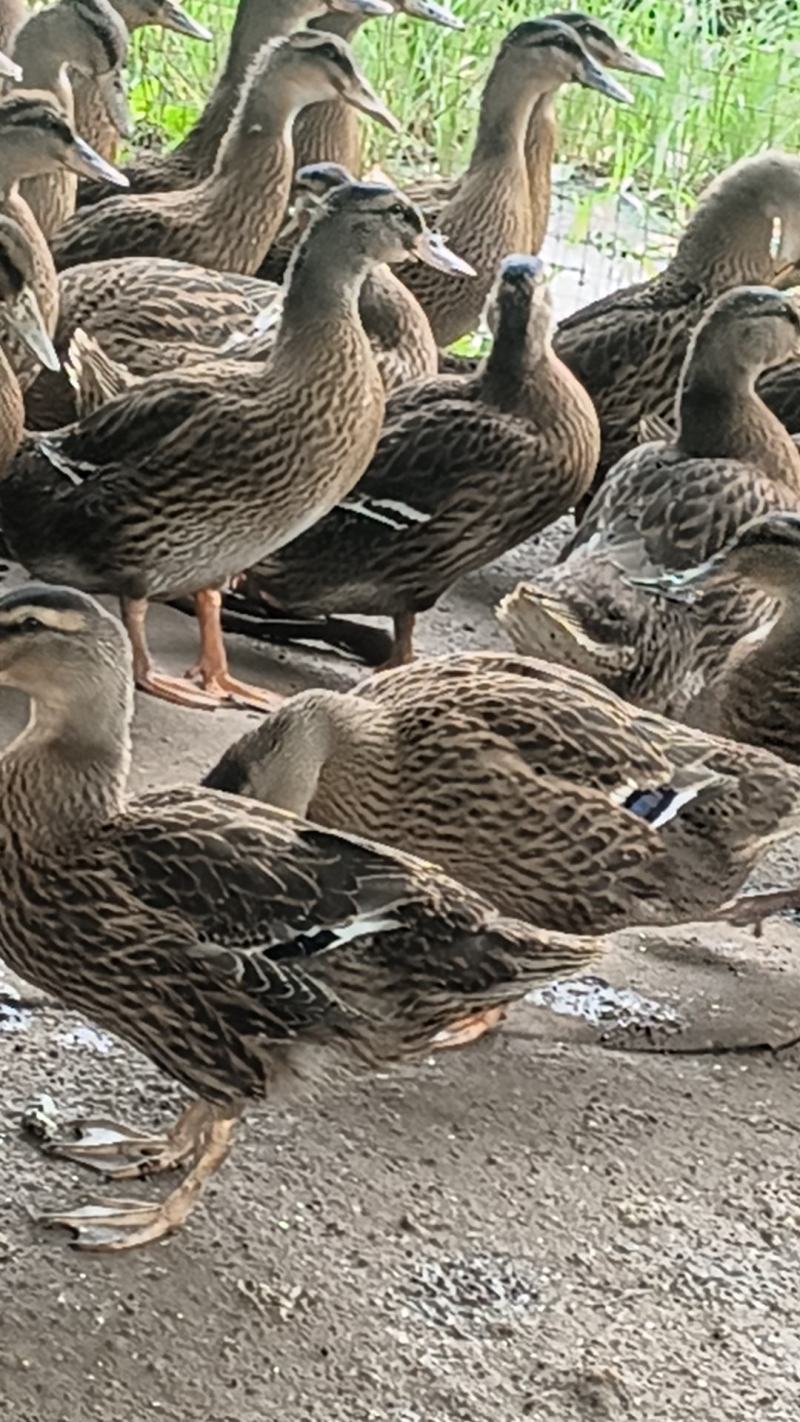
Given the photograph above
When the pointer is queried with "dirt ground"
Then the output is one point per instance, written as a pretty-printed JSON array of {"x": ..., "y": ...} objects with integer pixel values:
[{"x": 559, "y": 1223}]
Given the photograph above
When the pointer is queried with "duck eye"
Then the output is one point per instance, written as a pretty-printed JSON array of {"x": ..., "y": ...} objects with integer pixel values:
[
  {"x": 397, "y": 209},
  {"x": 31, "y": 624},
  {"x": 329, "y": 51}
]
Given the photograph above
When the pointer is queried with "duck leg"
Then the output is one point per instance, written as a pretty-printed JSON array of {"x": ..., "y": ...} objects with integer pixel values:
[
  {"x": 469, "y": 1029},
  {"x": 212, "y": 669},
  {"x": 403, "y": 649},
  {"x": 125, "y": 1153},
  {"x": 111, "y": 1226},
  {"x": 169, "y": 688}
]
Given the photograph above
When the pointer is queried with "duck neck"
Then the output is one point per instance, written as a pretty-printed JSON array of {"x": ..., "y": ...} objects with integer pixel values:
[
  {"x": 319, "y": 737},
  {"x": 504, "y": 114},
  {"x": 323, "y": 284},
  {"x": 521, "y": 365},
  {"x": 540, "y": 145},
  {"x": 43, "y": 54},
  {"x": 67, "y": 772},
  {"x": 720, "y": 415}
]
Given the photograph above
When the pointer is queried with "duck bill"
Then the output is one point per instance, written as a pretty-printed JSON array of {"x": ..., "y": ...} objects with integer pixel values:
[
  {"x": 8, "y": 69},
  {"x": 631, "y": 63},
  {"x": 432, "y": 249},
  {"x": 174, "y": 17},
  {"x": 116, "y": 104},
  {"x": 430, "y": 10},
  {"x": 594, "y": 77},
  {"x": 681, "y": 587},
  {"x": 367, "y": 8},
  {"x": 25, "y": 318},
  {"x": 363, "y": 97},
  {"x": 82, "y": 159}
]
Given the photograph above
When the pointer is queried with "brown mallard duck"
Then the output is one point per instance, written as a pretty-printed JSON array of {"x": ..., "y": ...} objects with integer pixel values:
[
  {"x": 193, "y": 159},
  {"x": 628, "y": 348},
  {"x": 90, "y": 110},
  {"x": 235, "y": 945},
  {"x": 19, "y": 312},
  {"x": 464, "y": 470},
  {"x": 757, "y": 695},
  {"x": 180, "y": 483},
  {"x": 542, "y": 790},
  {"x": 669, "y": 506},
  {"x": 489, "y": 214},
  {"x": 36, "y": 138},
  {"x": 228, "y": 220},
  {"x": 90, "y": 37}
]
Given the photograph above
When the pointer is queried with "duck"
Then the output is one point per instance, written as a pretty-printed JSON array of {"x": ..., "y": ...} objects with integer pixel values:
[
  {"x": 84, "y": 35},
  {"x": 193, "y": 159},
  {"x": 667, "y": 506},
  {"x": 757, "y": 695},
  {"x": 328, "y": 132},
  {"x": 177, "y": 485},
  {"x": 489, "y": 215},
  {"x": 19, "y": 312},
  {"x": 168, "y": 300},
  {"x": 228, "y": 221},
  {"x": 90, "y": 110},
  {"x": 239, "y": 947},
  {"x": 37, "y": 138},
  {"x": 463, "y": 471},
  {"x": 546, "y": 793},
  {"x": 628, "y": 348}
]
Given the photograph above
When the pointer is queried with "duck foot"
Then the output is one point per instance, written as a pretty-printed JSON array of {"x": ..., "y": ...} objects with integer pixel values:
[
  {"x": 469, "y": 1029},
  {"x": 124, "y": 1153},
  {"x": 212, "y": 669},
  {"x": 166, "y": 688},
  {"x": 115, "y": 1225}
]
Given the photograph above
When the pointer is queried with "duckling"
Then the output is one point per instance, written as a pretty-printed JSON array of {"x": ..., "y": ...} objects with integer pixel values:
[
  {"x": 19, "y": 312},
  {"x": 88, "y": 36},
  {"x": 328, "y": 132},
  {"x": 464, "y": 470},
  {"x": 224, "y": 222},
  {"x": 544, "y": 792},
  {"x": 489, "y": 215},
  {"x": 758, "y": 692},
  {"x": 628, "y": 348},
  {"x": 91, "y": 113},
  {"x": 237, "y": 946},
  {"x": 36, "y": 138},
  {"x": 180, "y": 483},
  {"x": 670, "y": 506},
  {"x": 194, "y": 158}
]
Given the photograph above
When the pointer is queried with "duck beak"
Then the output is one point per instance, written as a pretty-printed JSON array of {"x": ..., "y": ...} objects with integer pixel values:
[
  {"x": 595, "y": 77},
  {"x": 82, "y": 159},
  {"x": 430, "y": 10},
  {"x": 362, "y": 96},
  {"x": 683, "y": 586},
  {"x": 25, "y": 319},
  {"x": 174, "y": 17},
  {"x": 116, "y": 102},
  {"x": 431, "y": 249},
  {"x": 362, "y": 7},
  {"x": 632, "y": 63},
  {"x": 8, "y": 69}
]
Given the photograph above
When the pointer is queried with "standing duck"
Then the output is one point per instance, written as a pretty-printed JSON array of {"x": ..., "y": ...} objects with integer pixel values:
[
  {"x": 235, "y": 945},
  {"x": 256, "y": 22},
  {"x": 182, "y": 482},
  {"x": 91, "y": 113},
  {"x": 489, "y": 214},
  {"x": 230, "y": 218},
  {"x": 86, "y": 35},
  {"x": 628, "y": 348},
  {"x": 670, "y": 505},
  {"x": 464, "y": 470}
]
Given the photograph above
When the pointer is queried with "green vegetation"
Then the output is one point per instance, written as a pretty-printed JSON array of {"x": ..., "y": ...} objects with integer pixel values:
[{"x": 732, "y": 76}]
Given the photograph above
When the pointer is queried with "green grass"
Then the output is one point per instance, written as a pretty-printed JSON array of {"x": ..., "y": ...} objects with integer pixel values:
[{"x": 725, "y": 94}]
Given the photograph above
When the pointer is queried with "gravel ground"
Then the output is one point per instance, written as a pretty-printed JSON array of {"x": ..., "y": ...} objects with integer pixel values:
[{"x": 563, "y": 1222}]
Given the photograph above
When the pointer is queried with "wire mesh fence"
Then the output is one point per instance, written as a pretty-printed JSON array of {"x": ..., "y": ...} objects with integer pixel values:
[{"x": 624, "y": 175}]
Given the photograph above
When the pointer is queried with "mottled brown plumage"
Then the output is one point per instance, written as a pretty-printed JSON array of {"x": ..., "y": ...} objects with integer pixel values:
[
  {"x": 489, "y": 214},
  {"x": 229, "y": 219},
  {"x": 84, "y": 35},
  {"x": 464, "y": 470},
  {"x": 90, "y": 111},
  {"x": 669, "y": 506},
  {"x": 190, "y": 477},
  {"x": 234, "y": 945},
  {"x": 628, "y": 348},
  {"x": 533, "y": 784}
]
